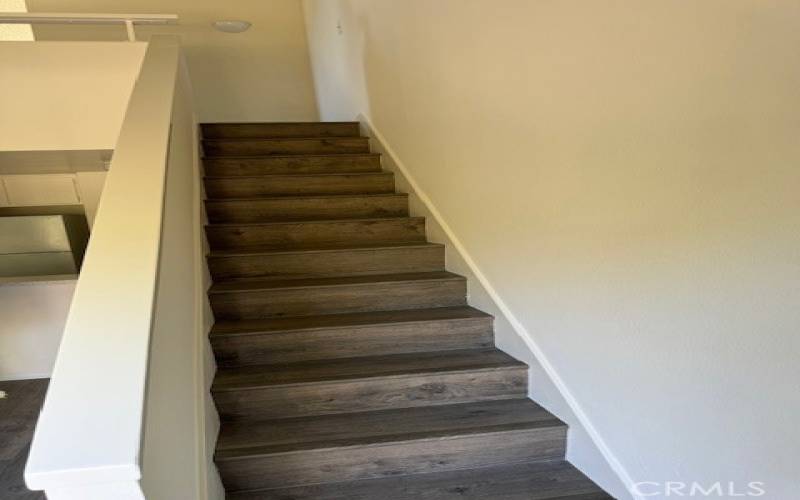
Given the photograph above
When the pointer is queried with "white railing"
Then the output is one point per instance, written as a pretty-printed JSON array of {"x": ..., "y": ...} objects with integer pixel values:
[
  {"x": 127, "y": 20},
  {"x": 88, "y": 439}
]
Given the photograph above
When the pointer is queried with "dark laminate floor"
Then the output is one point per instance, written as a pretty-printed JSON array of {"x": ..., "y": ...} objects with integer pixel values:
[{"x": 18, "y": 413}]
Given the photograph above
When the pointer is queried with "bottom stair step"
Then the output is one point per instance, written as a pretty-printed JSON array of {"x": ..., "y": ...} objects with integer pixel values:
[
  {"x": 286, "y": 452},
  {"x": 549, "y": 480}
]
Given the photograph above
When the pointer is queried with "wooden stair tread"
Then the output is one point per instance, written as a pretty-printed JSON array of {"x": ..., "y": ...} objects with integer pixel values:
[
  {"x": 330, "y": 175},
  {"x": 303, "y": 323},
  {"x": 232, "y": 166},
  {"x": 247, "y": 438},
  {"x": 284, "y": 139},
  {"x": 307, "y": 208},
  {"x": 310, "y": 221},
  {"x": 544, "y": 480},
  {"x": 314, "y": 231},
  {"x": 309, "y": 197},
  {"x": 320, "y": 248},
  {"x": 239, "y": 146},
  {"x": 396, "y": 365},
  {"x": 293, "y": 157},
  {"x": 247, "y": 285}
]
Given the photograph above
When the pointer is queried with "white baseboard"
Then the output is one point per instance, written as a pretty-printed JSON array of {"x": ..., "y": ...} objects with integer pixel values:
[{"x": 520, "y": 330}]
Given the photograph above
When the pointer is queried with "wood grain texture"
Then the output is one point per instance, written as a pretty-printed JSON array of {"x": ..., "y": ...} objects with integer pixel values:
[
  {"x": 312, "y": 234},
  {"x": 292, "y": 164},
  {"x": 418, "y": 456},
  {"x": 299, "y": 185},
  {"x": 350, "y": 366},
  {"x": 286, "y": 129},
  {"x": 251, "y": 438},
  {"x": 18, "y": 414},
  {"x": 283, "y": 146},
  {"x": 280, "y": 340},
  {"x": 400, "y": 365},
  {"x": 403, "y": 258},
  {"x": 540, "y": 480},
  {"x": 319, "y": 207},
  {"x": 480, "y": 381},
  {"x": 248, "y": 299}
]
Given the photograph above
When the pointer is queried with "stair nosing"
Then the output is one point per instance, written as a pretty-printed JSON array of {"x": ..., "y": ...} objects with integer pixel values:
[
  {"x": 315, "y": 221},
  {"x": 506, "y": 366},
  {"x": 298, "y": 138},
  {"x": 268, "y": 157},
  {"x": 282, "y": 251},
  {"x": 446, "y": 276},
  {"x": 352, "y": 122},
  {"x": 393, "y": 439},
  {"x": 311, "y": 196},
  {"x": 264, "y": 331},
  {"x": 324, "y": 174}
]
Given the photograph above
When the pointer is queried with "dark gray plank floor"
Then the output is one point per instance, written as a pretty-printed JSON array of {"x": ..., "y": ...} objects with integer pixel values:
[{"x": 18, "y": 413}]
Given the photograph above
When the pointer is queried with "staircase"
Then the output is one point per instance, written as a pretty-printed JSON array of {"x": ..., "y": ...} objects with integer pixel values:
[{"x": 350, "y": 365}]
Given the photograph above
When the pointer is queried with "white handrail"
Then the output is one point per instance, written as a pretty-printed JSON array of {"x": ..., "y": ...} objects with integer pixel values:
[
  {"x": 128, "y": 20},
  {"x": 89, "y": 434}
]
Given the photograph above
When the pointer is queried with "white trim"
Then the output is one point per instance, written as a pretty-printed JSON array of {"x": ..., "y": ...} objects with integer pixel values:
[{"x": 518, "y": 327}]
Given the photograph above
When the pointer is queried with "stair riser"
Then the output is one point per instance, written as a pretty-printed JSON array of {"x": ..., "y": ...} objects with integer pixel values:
[
  {"x": 245, "y": 147},
  {"x": 300, "y": 234},
  {"x": 291, "y": 165},
  {"x": 250, "y": 187},
  {"x": 340, "y": 299},
  {"x": 294, "y": 209},
  {"x": 331, "y": 263},
  {"x": 415, "y": 457},
  {"x": 334, "y": 343},
  {"x": 378, "y": 393},
  {"x": 260, "y": 130}
]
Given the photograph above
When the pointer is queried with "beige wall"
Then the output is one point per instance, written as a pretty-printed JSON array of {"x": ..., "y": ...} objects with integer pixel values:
[
  {"x": 64, "y": 96},
  {"x": 262, "y": 74},
  {"x": 625, "y": 174}
]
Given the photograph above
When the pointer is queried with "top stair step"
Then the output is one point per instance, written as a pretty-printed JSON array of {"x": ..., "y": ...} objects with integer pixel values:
[{"x": 288, "y": 129}]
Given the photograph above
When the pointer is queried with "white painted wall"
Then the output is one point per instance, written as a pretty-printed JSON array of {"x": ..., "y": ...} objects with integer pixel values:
[
  {"x": 624, "y": 175},
  {"x": 33, "y": 316},
  {"x": 262, "y": 74},
  {"x": 65, "y": 95}
]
